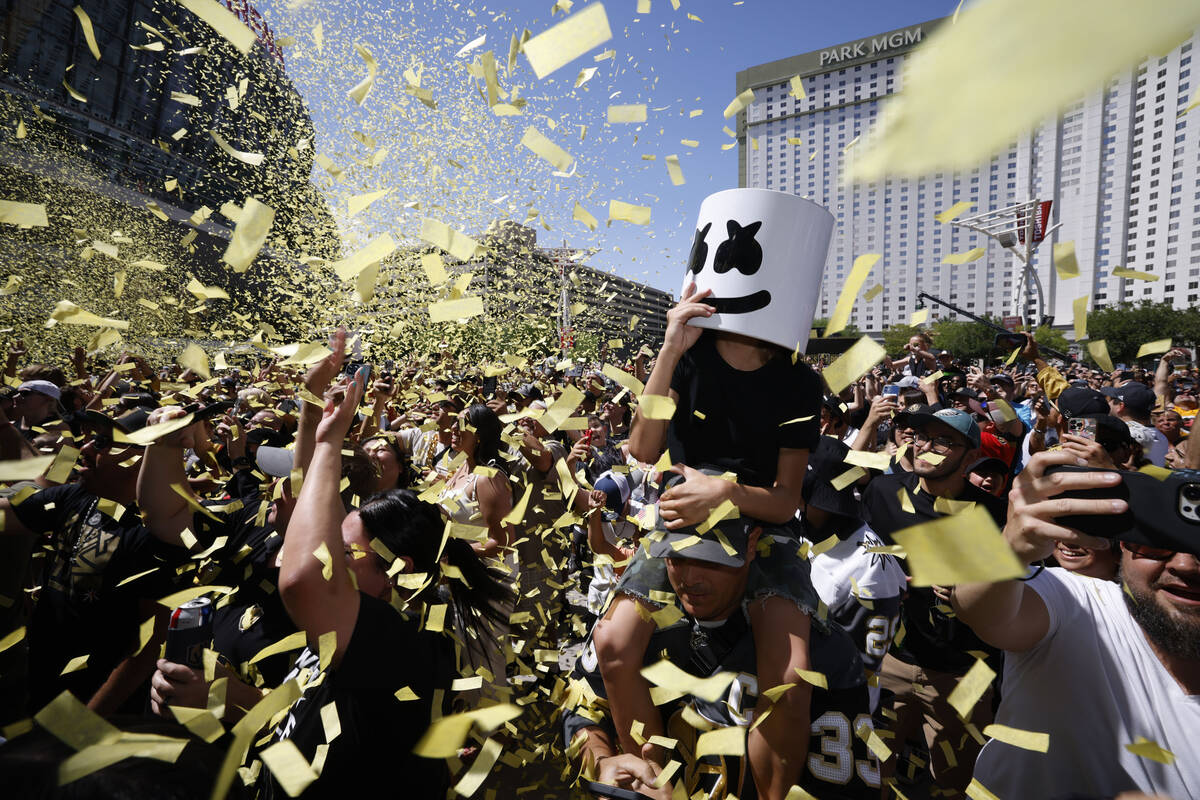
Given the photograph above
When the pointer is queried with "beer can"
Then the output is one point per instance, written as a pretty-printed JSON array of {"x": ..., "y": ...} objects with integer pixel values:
[{"x": 189, "y": 632}]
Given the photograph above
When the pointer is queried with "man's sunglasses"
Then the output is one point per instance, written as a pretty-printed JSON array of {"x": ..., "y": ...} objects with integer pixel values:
[{"x": 1145, "y": 551}]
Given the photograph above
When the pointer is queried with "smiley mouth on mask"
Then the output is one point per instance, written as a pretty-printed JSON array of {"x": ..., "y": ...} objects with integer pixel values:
[{"x": 740, "y": 305}]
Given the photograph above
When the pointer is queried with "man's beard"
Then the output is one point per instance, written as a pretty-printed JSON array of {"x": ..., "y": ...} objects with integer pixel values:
[{"x": 1175, "y": 635}]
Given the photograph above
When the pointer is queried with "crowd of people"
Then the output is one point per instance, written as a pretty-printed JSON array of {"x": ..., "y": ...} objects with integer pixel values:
[{"x": 671, "y": 576}]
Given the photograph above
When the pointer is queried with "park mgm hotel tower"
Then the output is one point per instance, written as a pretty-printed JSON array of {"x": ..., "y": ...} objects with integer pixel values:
[{"x": 1121, "y": 165}]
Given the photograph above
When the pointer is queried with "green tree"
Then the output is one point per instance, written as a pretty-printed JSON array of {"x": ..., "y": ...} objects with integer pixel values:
[
  {"x": 1049, "y": 337},
  {"x": 851, "y": 330},
  {"x": 963, "y": 339},
  {"x": 896, "y": 336},
  {"x": 1125, "y": 327}
]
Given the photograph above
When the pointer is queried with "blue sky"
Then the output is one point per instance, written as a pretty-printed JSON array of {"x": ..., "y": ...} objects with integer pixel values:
[{"x": 450, "y": 164}]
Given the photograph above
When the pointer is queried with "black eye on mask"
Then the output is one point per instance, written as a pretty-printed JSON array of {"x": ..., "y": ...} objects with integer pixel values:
[
  {"x": 740, "y": 251},
  {"x": 699, "y": 253}
]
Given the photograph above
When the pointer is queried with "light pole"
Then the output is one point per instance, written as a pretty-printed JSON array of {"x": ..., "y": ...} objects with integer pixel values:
[{"x": 1019, "y": 229}]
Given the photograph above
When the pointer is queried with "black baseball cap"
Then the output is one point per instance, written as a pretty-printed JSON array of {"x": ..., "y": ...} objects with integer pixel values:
[
  {"x": 1002, "y": 377},
  {"x": 904, "y": 419},
  {"x": 989, "y": 464},
  {"x": 1078, "y": 401},
  {"x": 1135, "y": 394}
]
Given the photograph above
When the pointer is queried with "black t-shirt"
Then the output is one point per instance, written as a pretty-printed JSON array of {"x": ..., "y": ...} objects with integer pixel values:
[
  {"x": 387, "y": 652},
  {"x": 933, "y": 638},
  {"x": 81, "y": 610},
  {"x": 254, "y": 616},
  {"x": 839, "y": 765},
  {"x": 738, "y": 420}
]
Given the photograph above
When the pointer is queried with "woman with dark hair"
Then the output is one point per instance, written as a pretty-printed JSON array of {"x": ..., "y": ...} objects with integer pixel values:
[
  {"x": 379, "y": 669},
  {"x": 392, "y": 468},
  {"x": 480, "y": 497}
]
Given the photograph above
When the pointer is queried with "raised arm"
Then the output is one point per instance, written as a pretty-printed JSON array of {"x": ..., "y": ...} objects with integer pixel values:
[
  {"x": 1162, "y": 375},
  {"x": 1010, "y": 615},
  {"x": 314, "y": 581},
  {"x": 316, "y": 381},
  {"x": 647, "y": 436},
  {"x": 164, "y": 510}
]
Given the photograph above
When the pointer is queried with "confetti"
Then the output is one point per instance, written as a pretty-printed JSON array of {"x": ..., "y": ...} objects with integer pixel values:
[{"x": 568, "y": 40}]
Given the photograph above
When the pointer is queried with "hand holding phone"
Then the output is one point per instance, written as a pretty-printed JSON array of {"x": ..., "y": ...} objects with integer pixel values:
[{"x": 1083, "y": 428}]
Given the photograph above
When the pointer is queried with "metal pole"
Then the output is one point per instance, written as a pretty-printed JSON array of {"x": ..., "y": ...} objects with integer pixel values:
[{"x": 989, "y": 323}]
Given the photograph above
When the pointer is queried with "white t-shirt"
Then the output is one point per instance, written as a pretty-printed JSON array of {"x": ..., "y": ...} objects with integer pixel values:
[
  {"x": 1094, "y": 685},
  {"x": 871, "y": 615}
]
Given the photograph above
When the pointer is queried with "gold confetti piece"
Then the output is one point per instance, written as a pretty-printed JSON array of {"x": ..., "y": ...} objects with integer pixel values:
[
  {"x": 358, "y": 202},
  {"x": 75, "y": 664},
  {"x": 1133, "y": 274},
  {"x": 655, "y": 406},
  {"x": 446, "y": 735},
  {"x": 817, "y": 679},
  {"x": 12, "y": 638},
  {"x": 673, "y": 170},
  {"x": 1064, "y": 260},
  {"x": 738, "y": 103},
  {"x": 75, "y": 724},
  {"x": 722, "y": 742},
  {"x": 1079, "y": 309},
  {"x": 643, "y": 6},
  {"x": 632, "y": 113},
  {"x": 547, "y": 150},
  {"x": 850, "y": 289},
  {"x": 1099, "y": 351},
  {"x": 185, "y": 98},
  {"x": 689, "y": 142},
  {"x": 202, "y": 292},
  {"x": 331, "y": 722},
  {"x": 376, "y": 250},
  {"x": 1027, "y": 740},
  {"x": 70, "y": 314},
  {"x": 567, "y": 40},
  {"x": 64, "y": 462},
  {"x": 301, "y": 355},
  {"x": 795, "y": 141},
  {"x": 1194, "y": 104},
  {"x": 436, "y": 618},
  {"x": 798, "y": 793},
  {"x": 861, "y": 458},
  {"x": 253, "y": 159},
  {"x": 943, "y": 122},
  {"x": 972, "y": 685},
  {"x": 293, "y": 641},
  {"x": 71, "y": 90},
  {"x": 852, "y": 364},
  {"x": 796, "y": 87},
  {"x": 919, "y": 317},
  {"x": 452, "y": 310},
  {"x": 954, "y": 211},
  {"x": 85, "y": 22},
  {"x": 435, "y": 270},
  {"x": 289, "y": 767},
  {"x": 249, "y": 235},
  {"x": 562, "y": 408},
  {"x": 459, "y": 245},
  {"x": 848, "y": 477},
  {"x": 12, "y": 286},
  {"x": 404, "y": 694},
  {"x": 323, "y": 555},
  {"x": 1153, "y": 751},
  {"x": 965, "y": 258},
  {"x": 976, "y": 790},
  {"x": 966, "y": 548},
  {"x": 223, "y": 22},
  {"x": 623, "y": 378},
  {"x": 582, "y": 215},
  {"x": 669, "y": 676},
  {"x": 359, "y": 93},
  {"x": 480, "y": 767},
  {"x": 627, "y": 212},
  {"x": 31, "y": 214},
  {"x": 1154, "y": 348}
]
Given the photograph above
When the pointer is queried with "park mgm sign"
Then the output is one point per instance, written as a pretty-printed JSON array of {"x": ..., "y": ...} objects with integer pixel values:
[{"x": 872, "y": 47}]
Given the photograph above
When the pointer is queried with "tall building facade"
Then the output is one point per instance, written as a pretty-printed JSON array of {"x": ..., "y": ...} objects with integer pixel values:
[{"x": 1121, "y": 164}]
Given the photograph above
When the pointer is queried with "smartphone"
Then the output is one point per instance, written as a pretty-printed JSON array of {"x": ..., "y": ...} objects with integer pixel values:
[
  {"x": 489, "y": 387},
  {"x": 586, "y": 438},
  {"x": 1009, "y": 341},
  {"x": 891, "y": 390},
  {"x": 1084, "y": 428},
  {"x": 615, "y": 792},
  {"x": 364, "y": 372}
]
